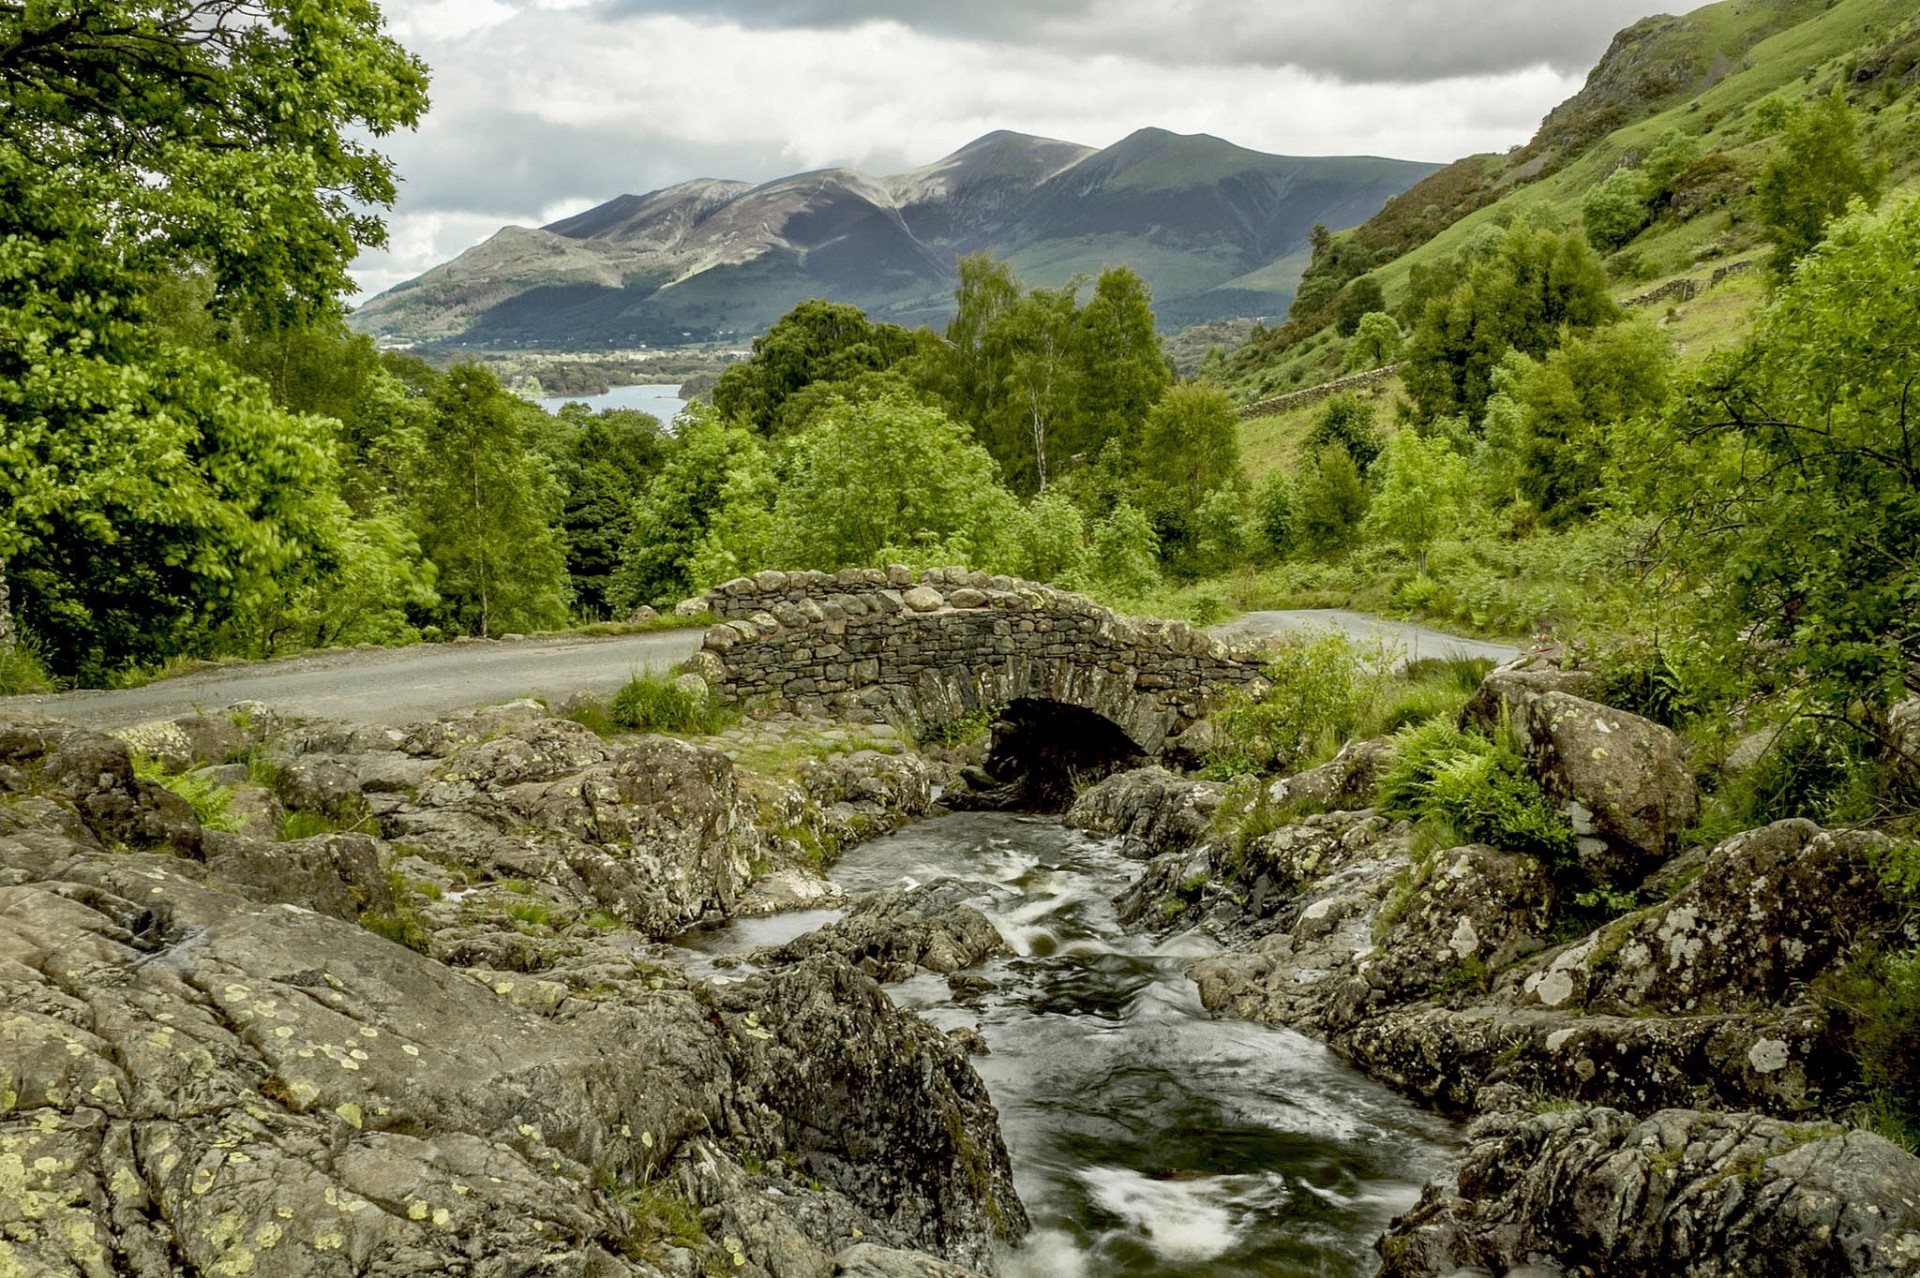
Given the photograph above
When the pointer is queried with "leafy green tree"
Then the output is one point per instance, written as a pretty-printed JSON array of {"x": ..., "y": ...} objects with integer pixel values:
[
  {"x": 872, "y": 475},
  {"x": 1347, "y": 420},
  {"x": 971, "y": 377},
  {"x": 1124, "y": 562},
  {"x": 1359, "y": 299},
  {"x": 1333, "y": 500},
  {"x": 1532, "y": 287},
  {"x": 815, "y": 342},
  {"x": 1123, "y": 370},
  {"x": 1423, "y": 490},
  {"x": 1277, "y": 511},
  {"x": 681, "y": 502},
  {"x": 1191, "y": 446},
  {"x": 1049, "y": 542},
  {"x": 1818, "y": 169},
  {"x": 1572, "y": 404},
  {"x": 1790, "y": 473},
  {"x": 150, "y": 493},
  {"x": 747, "y": 531},
  {"x": 1223, "y": 535},
  {"x": 602, "y": 461},
  {"x": 1616, "y": 210},
  {"x": 1376, "y": 342},
  {"x": 485, "y": 509},
  {"x": 1038, "y": 419}
]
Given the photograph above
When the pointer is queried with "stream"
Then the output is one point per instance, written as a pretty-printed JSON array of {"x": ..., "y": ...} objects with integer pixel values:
[{"x": 1147, "y": 1138}]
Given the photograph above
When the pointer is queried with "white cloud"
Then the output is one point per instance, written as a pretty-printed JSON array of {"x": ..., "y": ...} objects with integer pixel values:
[{"x": 557, "y": 104}]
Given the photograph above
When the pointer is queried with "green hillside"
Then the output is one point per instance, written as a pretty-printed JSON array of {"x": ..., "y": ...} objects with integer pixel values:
[{"x": 1704, "y": 77}]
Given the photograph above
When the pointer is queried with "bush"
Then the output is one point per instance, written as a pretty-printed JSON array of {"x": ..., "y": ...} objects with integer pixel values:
[
  {"x": 1477, "y": 788},
  {"x": 652, "y": 704},
  {"x": 21, "y": 672},
  {"x": 1319, "y": 689}
]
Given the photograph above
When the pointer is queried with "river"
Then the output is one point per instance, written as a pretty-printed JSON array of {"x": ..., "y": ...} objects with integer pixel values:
[{"x": 1147, "y": 1138}]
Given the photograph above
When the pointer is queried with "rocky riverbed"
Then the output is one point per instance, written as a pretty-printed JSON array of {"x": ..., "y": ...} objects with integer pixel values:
[{"x": 425, "y": 1005}]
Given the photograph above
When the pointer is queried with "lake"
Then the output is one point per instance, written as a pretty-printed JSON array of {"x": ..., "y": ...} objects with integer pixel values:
[{"x": 663, "y": 401}]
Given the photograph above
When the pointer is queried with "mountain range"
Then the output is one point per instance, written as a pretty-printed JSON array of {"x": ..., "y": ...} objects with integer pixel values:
[{"x": 1217, "y": 230}]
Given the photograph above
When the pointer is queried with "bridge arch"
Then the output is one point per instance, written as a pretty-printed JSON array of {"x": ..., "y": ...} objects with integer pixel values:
[{"x": 921, "y": 651}]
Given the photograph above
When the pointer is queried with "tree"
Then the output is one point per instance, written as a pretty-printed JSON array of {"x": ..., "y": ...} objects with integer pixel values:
[
  {"x": 1422, "y": 492},
  {"x": 1361, "y": 298},
  {"x": 1531, "y": 288},
  {"x": 1376, "y": 342},
  {"x": 141, "y": 485},
  {"x": 1277, "y": 506},
  {"x": 1191, "y": 447},
  {"x": 1616, "y": 210},
  {"x": 1333, "y": 500},
  {"x": 1038, "y": 417},
  {"x": 1124, "y": 562},
  {"x": 603, "y": 462},
  {"x": 1123, "y": 371},
  {"x": 1791, "y": 472},
  {"x": 672, "y": 519},
  {"x": 890, "y": 474},
  {"x": 1817, "y": 171},
  {"x": 1573, "y": 402},
  {"x": 815, "y": 342},
  {"x": 486, "y": 507},
  {"x": 1049, "y": 542},
  {"x": 1347, "y": 421}
]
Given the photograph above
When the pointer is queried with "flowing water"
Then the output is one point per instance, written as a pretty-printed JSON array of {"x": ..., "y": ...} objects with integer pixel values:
[{"x": 1147, "y": 1138}]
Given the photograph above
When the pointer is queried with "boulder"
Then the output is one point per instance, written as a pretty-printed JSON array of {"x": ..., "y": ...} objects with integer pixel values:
[
  {"x": 92, "y": 774},
  {"x": 1343, "y": 783},
  {"x": 1150, "y": 810},
  {"x": 1714, "y": 1195},
  {"x": 1621, "y": 780},
  {"x": 897, "y": 934},
  {"x": 334, "y": 874}
]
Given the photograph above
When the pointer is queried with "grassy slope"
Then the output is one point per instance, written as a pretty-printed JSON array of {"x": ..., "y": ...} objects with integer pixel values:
[{"x": 1805, "y": 59}]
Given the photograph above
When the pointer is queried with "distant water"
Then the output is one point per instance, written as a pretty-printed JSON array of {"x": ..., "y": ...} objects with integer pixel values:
[{"x": 663, "y": 401}]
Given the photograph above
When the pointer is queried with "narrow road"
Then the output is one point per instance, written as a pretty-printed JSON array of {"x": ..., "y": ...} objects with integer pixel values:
[
  {"x": 403, "y": 685},
  {"x": 392, "y": 685},
  {"x": 1414, "y": 642}
]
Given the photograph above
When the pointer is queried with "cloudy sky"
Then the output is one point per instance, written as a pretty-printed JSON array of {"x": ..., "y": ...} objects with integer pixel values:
[{"x": 542, "y": 108}]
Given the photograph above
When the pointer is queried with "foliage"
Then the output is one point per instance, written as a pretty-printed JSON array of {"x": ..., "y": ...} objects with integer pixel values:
[
  {"x": 1122, "y": 562},
  {"x": 1347, "y": 420},
  {"x": 1571, "y": 405},
  {"x": 1535, "y": 286},
  {"x": 1189, "y": 451},
  {"x": 1789, "y": 469},
  {"x": 1333, "y": 500},
  {"x": 485, "y": 508},
  {"x": 152, "y": 494},
  {"x": 1616, "y": 210},
  {"x": 1476, "y": 788},
  {"x": 1319, "y": 687},
  {"x": 1048, "y": 542},
  {"x": 21, "y": 670},
  {"x": 868, "y": 476},
  {"x": 814, "y": 342},
  {"x": 602, "y": 462},
  {"x": 1276, "y": 508},
  {"x": 1359, "y": 299},
  {"x": 1818, "y": 169},
  {"x": 1422, "y": 492},
  {"x": 1879, "y": 996},
  {"x": 209, "y": 800},
  {"x": 651, "y": 704},
  {"x": 673, "y": 518},
  {"x": 1043, "y": 380},
  {"x": 1376, "y": 342}
]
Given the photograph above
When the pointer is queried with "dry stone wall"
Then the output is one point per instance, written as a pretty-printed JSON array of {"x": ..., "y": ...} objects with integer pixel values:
[{"x": 920, "y": 651}]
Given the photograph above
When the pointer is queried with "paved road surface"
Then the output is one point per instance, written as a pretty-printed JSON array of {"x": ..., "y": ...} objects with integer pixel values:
[
  {"x": 393, "y": 685},
  {"x": 1415, "y": 641},
  {"x": 403, "y": 685}
]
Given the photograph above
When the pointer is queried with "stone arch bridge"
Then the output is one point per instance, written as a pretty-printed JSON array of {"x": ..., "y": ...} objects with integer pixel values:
[{"x": 922, "y": 651}]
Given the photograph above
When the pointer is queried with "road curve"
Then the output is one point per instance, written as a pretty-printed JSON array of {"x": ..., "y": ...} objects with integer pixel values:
[
  {"x": 404, "y": 685},
  {"x": 1414, "y": 642},
  {"x": 390, "y": 685}
]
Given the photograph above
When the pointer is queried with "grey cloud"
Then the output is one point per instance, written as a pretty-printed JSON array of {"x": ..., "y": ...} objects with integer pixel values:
[{"x": 1367, "y": 41}]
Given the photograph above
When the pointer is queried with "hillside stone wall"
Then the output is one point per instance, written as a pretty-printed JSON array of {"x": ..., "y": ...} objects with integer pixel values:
[
  {"x": 1338, "y": 386},
  {"x": 920, "y": 651}
]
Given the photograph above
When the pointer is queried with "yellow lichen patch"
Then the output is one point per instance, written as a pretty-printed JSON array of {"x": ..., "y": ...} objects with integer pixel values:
[
  {"x": 417, "y": 1211},
  {"x": 267, "y": 1235},
  {"x": 442, "y": 1217},
  {"x": 235, "y": 1262},
  {"x": 350, "y": 1112},
  {"x": 124, "y": 1184},
  {"x": 408, "y": 1048},
  {"x": 329, "y": 1240}
]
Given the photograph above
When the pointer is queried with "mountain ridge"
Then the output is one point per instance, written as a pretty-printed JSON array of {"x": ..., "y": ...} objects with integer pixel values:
[{"x": 1212, "y": 226}]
